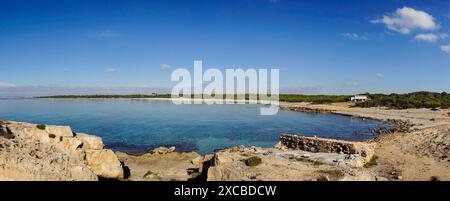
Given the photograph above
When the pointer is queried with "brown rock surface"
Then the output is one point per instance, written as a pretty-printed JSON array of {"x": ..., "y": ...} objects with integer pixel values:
[
  {"x": 104, "y": 163},
  {"x": 90, "y": 141},
  {"x": 23, "y": 158},
  {"x": 31, "y": 152},
  {"x": 162, "y": 167},
  {"x": 276, "y": 165}
]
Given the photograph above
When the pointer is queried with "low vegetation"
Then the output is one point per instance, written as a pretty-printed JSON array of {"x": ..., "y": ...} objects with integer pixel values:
[
  {"x": 253, "y": 161},
  {"x": 315, "y": 99},
  {"x": 283, "y": 97},
  {"x": 422, "y": 99},
  {"x": 372, "y": 162},
  {"x": 411, "y": 100},
  {"x": 109, "y": 96},
  {"x": 41, "y": 126}
]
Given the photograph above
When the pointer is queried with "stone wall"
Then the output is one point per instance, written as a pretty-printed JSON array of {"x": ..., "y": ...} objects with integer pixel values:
[{"x": 316, "y": 144}]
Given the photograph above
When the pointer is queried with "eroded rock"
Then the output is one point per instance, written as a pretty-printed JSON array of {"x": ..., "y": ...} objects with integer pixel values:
[
  {"x": 90, "y": 141},
  {"x": 162, "y": 150},
  {"x": 59, "y": 131},
  {"x": 30, "y": 152},
  {"x": 104, "y": 163}
]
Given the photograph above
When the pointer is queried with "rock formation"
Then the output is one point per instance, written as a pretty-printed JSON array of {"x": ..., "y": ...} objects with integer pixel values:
[
  {"x": 44, "y": 152},
  {"x": 163, "y": 164},
  {"x": 284, "y": 165}
]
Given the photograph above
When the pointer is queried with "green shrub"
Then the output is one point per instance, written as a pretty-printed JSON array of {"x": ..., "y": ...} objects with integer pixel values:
[
  {"x": 421, "y": 99},
  {"x": 41, "y": 126},
  {"x": 253, "y": 161},
  {"x": 372, "y": 162},
  {"x": 315, "y": 99},
  {"x": 432, "y": 104}
]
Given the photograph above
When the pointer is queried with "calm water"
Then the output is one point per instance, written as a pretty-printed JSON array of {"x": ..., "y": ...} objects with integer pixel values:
[{"x": 138, "y": 125}]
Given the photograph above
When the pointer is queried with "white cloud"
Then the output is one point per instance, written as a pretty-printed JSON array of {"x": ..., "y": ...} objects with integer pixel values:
[
  {"x": 405, "y": 20},
  {"x": 355, "y": 36},
  {"x": 426, "y": 37},
  {"x": 445, "y": 48},
  {"x": 165, "y": 66},
  {"x": 430, "y": 37},
  {"x": 109, "y": 70},
  {"x": 6, "y": 85}
]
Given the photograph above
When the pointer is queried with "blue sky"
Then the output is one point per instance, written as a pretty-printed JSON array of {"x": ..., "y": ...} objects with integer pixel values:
[{"x": 332, "y": 47}]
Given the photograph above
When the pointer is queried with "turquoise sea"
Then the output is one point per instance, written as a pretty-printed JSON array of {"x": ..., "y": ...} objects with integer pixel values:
[{"x": 136, "y": 126}]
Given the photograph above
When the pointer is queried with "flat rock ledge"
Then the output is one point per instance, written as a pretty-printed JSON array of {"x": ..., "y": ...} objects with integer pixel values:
[
  {"x": 295, "y": 158},
  {"x": 275, "y": 164},
  {"x": 45, "y": 152}
]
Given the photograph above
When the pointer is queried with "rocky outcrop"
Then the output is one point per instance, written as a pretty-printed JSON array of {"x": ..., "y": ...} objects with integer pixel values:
[
  {"x": 90, "y": 141},
  {"x": 162, "y": 150},
  {"x": 401, "y": 126},
  {"x": 104, "y": 163},
  {"x": 45, "y": 152},
  {"x": 59, "y": 131},
  {"x": 163, "y": 164},
  {"x": 282, "y": 165}
]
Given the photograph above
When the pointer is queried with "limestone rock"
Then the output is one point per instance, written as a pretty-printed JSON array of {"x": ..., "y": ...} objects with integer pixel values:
[
  {"x": 175, "y": 166},
  {"x": 90, "y": 141},
  {"x": 362, "y": 176},
  {"x": 30, "y": 155},
  {"x": 197, "y": 161},
  {"x": 104, "y": 163},
  {"x": 224, "y": 174},
  {"x": 163, "y": 150},
  {"x": 59, "y": 131},
  {"x": 280, "y": 146},
  {"x": 201, "y": 159},
  {"x": 69, "y": 144}
]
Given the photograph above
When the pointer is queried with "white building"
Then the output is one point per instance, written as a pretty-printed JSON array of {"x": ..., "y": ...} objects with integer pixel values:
[{"x": 359, "y": 98}]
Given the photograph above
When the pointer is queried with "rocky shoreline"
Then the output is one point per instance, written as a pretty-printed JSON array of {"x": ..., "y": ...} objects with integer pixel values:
[
  {"x": 45, "y": 152},
  {"x": 414, "y": 149}
]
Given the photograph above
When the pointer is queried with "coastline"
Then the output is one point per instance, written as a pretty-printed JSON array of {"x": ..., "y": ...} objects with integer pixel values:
[
  {"x": 420, "y": 117},
  {"x": 419, "y": 154}
]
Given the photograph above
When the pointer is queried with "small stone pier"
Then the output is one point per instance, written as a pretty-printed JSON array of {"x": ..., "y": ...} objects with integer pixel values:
[{"x": 316, "y": 144}]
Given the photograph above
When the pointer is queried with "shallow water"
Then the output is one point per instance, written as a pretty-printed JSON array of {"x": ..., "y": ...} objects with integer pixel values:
[{"x": 138, "y": 125}]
